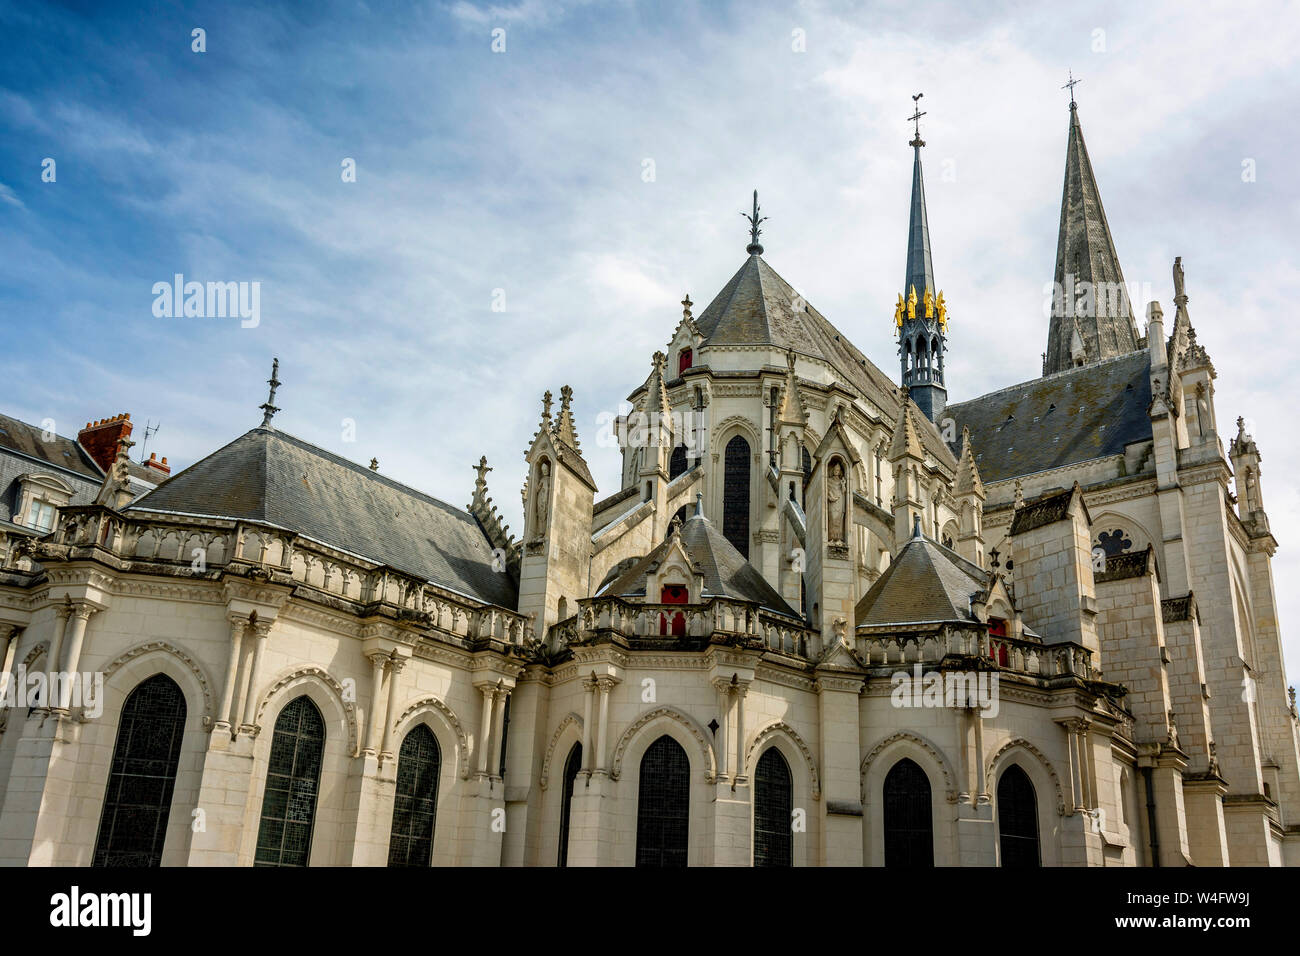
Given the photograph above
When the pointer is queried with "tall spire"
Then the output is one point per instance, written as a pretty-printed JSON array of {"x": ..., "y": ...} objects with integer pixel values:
[
  {"x": 1088, "y": 292},
  {"x": 921, "y": 317}
]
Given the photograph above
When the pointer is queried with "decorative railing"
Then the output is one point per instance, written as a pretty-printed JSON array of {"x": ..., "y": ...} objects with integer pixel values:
[
  {"x": 1026, "y": 657},
  {"x": 715, "y": 617}
]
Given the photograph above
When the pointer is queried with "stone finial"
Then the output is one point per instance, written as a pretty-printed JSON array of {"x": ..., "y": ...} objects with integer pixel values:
[
  {"x": 686, "y": 307},
  {"x": 754, "y": 249},
  {"x": 374, "y": 464},
  {"x": 1020, "y": 493},
  {"x": 565, "y": 429},
  {"x": 546, "y": 405}
]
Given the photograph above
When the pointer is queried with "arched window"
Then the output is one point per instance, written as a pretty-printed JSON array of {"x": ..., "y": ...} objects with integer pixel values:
[
  {"x": 1018, "y": 818},
  {"x": 571, "y": 768},
  {"x": 674, "y": 621},
  {"x": 683, "y": 361},
  {"x": 909, "y": 829},
  {"x": 773, "y": 805},
  {"x": 138, "y": 799},
  {"x": 806, "y": 461},
  {"x": 735, "y": 495},
  {"x": 292, "y": 784},
  {"x": 677, "y": 462},
  {"x": 663, "y": 805},
  {"x": 415, "y": 803}
]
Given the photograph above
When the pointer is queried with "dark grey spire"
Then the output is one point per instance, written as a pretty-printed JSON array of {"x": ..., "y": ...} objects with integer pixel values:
[
  {"x": 268, "y": 407},
  {"x": 1089, "y": 291},
  {"x": 920, "y": 270},
  {"x": 920, "y": 315}
]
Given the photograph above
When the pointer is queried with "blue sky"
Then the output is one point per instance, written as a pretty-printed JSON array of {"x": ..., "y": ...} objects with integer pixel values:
[{"x": 523, "y": 171}]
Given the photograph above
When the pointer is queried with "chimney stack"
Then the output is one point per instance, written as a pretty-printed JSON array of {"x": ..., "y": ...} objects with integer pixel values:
[{"x": 100, "y": 438}]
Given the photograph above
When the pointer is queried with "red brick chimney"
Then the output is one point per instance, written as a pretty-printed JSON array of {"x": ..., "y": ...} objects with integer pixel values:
[
  {"x": 161, "y": 467},
  {"x": 100, "y": 438}
]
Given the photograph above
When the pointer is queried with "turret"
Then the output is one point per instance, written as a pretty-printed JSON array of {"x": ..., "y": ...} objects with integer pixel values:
[{"x": 1245, "y": 466}]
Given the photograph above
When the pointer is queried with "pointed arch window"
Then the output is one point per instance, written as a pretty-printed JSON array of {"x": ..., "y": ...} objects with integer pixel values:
[
  {"x": 415, "y": 803},
  {"x": 142, "y": 776},
  {"x": 292, "y": 786},
  {"x": 677, "y": 462},
  {"x": 663, "y": 805},
  {"x": 735, "y": 495},
  {"x": 773, "y": 806},
  {"x": 909, "y": 826},
  {"x": 571, "y": 768},
  {"x": 1018, "y": 819}
]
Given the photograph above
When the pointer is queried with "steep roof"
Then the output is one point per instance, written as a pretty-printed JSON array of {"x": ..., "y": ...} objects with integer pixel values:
[
  {"x": 1072, "y": 416},
  {"x": 269, "y": 476},
  {"x": 1086, "y": 252},
  {"x": 920, "y": 269},
  {"x": 758, "y": 307},
  {"x": 925, "y": 583},
  {"x": 66, "y": 454},
  {"x": 726, "y": 572}
]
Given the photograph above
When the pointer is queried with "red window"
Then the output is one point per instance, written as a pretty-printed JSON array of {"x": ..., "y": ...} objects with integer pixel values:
[
  {"x": 683, "y": 360},
  {"x": 997, "y": 627},
  {"x": 673, "y": 594}
]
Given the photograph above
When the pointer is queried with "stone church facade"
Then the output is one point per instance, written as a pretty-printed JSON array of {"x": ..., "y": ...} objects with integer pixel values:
[{"x": 828, "y": 619}]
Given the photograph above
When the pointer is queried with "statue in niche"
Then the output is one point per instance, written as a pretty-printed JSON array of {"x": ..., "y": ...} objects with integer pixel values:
[
  {"x": 837, "y": 490},
  {"x": 543, "y": 494}
]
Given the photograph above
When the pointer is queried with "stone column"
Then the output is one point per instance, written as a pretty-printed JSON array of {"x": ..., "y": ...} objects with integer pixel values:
[
  {"x": 67, "y": 676},
  {"x": 8, "y": 651},
  {"x": 377, "y": 662},
  {"x": 741, "y": 690},
  {"x": 261, "y": 630},
  {"x": 723, "y": 746},
  {"x": 498, "y": 729},
  {"x": 485, "y": 727},
  {"x": 395, "y": 665},
  {"x": 225, "y": 715},
  {"x": 588, "y": 692},
  {"x": 54, "y": 654},
  {"x": 605, "y": 684}
]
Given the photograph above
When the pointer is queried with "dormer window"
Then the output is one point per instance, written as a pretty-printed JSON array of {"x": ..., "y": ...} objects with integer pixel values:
[
  {"x": 683, "y": 360},
  {"x": 40, "y": 496},
  {"x": 40, "y": 515}
]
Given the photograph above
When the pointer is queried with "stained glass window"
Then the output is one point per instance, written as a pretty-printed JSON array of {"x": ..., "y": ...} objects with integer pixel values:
[
  {"x": 1018, "y": 819},
  {"x": 663, "y": 805},
  {"x": 292, "y": 785},
  {"x": 415, "y": 804},
  {"x": 773, "y": 806},
  {"x": 735, "y": 495},
  {"x": 677, "y": 462},
  {"x": 909, "y": 828},
  {"x": 141, "y": 778}
]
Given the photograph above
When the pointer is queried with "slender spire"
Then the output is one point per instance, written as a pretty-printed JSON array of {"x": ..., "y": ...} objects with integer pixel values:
[
  {"x": 920, "y": 270},
  {"x": 268, "y": 407},
  {"x": 754, "y": 249},
  {"x": 1070, "y": 84},
  {"x": 1089, "y": 287}
]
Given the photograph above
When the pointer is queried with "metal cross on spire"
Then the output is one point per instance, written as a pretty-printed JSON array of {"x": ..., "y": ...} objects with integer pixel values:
[
  {"x": 268, "y": 407},
  {"x": 916, "y": 118},
  {"x": 754, "y": 249},
  {"x": 1071, "y": 84}
]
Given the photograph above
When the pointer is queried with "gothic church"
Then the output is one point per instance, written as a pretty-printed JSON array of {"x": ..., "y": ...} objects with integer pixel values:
[{"x": 830, "y": 618}]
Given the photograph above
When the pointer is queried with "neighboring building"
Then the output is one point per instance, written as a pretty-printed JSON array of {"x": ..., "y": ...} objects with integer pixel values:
[{"x": 825, "y": 621}]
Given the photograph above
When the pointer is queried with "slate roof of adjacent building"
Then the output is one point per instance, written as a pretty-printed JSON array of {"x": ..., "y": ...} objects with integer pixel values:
[
  {"x": 23, "y": 451},
  {"x": 758, "y": 307},
  {"x": 925, "y": 583},
  {"x": 266, "y": 475},
  {"x": 1073, "y": 416},
  {"x": 726, "y": 572}
]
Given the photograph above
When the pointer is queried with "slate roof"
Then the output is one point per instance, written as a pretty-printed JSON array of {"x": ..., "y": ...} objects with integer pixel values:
[
  {"x": 24, "y": 451},
  {"x": 920, "y": 268},
  {"x": 267, "y": 475},
  {"x": 1072, "y": 416},
  {"x": 1085, "y": 250},
  {"x": 925, "y": 583},
  {"x": 63, "y": 453},
  {"x": 757, "y": 307},
  {"x": 726, "y": 572}
]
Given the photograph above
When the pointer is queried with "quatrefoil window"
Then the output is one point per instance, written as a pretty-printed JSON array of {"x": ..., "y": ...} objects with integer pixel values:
[{"x": 1114, "y": 542}]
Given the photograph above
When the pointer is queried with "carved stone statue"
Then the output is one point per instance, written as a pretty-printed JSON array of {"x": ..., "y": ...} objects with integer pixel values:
[
  {"x": 1178, "y": 278},
  {"x": 837, "y": 489},
  {"x": 543, "y": 494}
]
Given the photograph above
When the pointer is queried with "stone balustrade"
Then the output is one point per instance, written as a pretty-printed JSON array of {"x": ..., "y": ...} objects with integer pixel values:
[{"x": 1026, "y": 657}]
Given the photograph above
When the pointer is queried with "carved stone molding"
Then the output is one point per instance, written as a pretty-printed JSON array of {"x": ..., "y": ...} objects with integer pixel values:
[
  {"x": 163, "y": 647},
  {"x": 570, "y": 718},
  {"x": 670, "y": 713},
  {"x": 782, "y": 729},
  {"x": 304, "y": 675},
  {"x": 434, "y": 705},
  {"x": 1020, "y": 743},
  {"x": 930, "y": 750}
]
